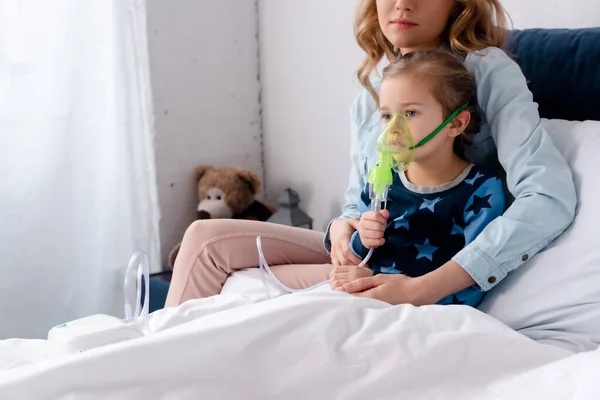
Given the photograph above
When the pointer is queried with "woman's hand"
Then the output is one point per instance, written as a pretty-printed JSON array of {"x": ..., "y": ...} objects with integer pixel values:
[
  {"x": 393, "y": 289},
  {"x": 400, "y": 289},
  {"x": 371, "y": 228},
  {"x": 343, "y": 274},
  {"x": 340, "y": 232}
]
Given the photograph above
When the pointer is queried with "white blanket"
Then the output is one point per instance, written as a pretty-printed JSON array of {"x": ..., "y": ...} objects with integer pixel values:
[{"x": 320, "y": 344}]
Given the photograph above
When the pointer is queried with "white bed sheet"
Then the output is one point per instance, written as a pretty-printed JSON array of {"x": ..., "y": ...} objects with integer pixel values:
[{"x": 320, "y": 344}]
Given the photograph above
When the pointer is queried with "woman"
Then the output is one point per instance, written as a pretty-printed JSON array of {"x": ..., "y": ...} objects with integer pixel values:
[{"x": 511, "y": 137}]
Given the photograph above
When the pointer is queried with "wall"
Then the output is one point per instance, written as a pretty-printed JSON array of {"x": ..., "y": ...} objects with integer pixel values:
[
  {"x": 204, "y": 70},
  {"x": 553, "y": 13},
  {"x": 308, "y": 59}
]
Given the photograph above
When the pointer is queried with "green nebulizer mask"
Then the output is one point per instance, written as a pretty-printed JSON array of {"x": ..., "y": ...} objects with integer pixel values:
[{"x": 395, "y": 151}]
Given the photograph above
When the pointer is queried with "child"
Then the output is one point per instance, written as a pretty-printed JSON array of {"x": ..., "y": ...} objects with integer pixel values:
[{"x": 442, "y": 202}]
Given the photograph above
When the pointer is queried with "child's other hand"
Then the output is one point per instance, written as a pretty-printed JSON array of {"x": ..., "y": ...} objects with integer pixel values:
[
  {"x": 340, "y": 234},
  {"x": 347, "y": 273},
  {"x": 371, "y": 228}
]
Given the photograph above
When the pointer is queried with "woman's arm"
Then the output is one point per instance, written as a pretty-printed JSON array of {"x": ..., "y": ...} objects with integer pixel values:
[
  {"x": 362, "y": 109},
  {"x": 537, "y": 174},
  {"x": 400, "y": 289}
]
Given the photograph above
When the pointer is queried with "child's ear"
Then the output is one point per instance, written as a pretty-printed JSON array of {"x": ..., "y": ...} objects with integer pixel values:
[{"x": 459, "y": 124}]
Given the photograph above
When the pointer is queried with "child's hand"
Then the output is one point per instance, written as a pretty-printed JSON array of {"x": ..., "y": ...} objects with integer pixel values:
[
  {"x": 340, "y": 234},
  {"x": 347, "y": 273},
  {"x": 371, "y": 228}
]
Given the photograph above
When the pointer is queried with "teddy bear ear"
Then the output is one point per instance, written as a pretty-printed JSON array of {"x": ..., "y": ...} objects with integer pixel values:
[
  {"x": 249, "y": 178},
  {"x": 201, "y": 170}
]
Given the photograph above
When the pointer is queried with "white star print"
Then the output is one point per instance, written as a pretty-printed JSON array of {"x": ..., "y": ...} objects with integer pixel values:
[
  {"x": 430, "y": 204},
  {"x": 426, "y": 250},
  {"x": 401, "y": 222},
  {"x": 474, "y": 179}
]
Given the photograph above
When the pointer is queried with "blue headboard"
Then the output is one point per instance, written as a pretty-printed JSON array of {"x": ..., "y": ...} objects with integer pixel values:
[{"x": 563, "y": 70}]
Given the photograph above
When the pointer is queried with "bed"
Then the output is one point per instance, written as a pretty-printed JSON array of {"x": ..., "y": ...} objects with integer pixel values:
[{"x": 535, "y": 335}]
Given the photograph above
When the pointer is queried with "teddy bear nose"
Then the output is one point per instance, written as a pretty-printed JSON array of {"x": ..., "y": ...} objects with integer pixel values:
[{"x": 203, "y": 215}]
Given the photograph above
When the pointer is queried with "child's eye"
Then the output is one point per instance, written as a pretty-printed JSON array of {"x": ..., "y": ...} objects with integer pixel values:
[
  {"x": 386, "y": 117},
  {"x": 411, "y": 114}
]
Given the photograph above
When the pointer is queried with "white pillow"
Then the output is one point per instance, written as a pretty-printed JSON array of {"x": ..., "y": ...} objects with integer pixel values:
[{"x": 555, "y": 297}]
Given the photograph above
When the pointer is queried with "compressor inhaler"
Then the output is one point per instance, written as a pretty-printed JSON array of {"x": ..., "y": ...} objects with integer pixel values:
[{"x": 100, "y": 330}]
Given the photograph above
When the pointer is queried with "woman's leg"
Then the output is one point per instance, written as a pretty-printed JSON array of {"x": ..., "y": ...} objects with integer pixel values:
[{"x": 212, "y": 249}]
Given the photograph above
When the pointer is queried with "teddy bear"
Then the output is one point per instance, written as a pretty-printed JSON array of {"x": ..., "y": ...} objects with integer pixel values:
[{"x": 227, "y": 192}]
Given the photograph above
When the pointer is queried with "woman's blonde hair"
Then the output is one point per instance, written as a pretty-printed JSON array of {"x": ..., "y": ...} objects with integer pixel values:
[
  {"x": 450, "y": 83},
  {"x": 473, "y": 25}
]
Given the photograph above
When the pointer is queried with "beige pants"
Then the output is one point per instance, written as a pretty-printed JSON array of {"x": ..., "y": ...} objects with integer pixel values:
[{"x": 213, "y": 249}]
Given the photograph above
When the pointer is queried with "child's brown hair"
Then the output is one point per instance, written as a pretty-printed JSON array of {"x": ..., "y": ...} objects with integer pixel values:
[{"x": 450, "y": 83}]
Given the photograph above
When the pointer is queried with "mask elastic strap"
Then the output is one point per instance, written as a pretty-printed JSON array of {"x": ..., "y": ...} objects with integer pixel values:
[{"x": 439, "y": 128}]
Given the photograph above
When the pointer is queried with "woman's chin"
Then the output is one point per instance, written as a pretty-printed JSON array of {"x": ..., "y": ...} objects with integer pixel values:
[
  {"x": 407, "y": 42},
  {"x": 402, "y": 39}
]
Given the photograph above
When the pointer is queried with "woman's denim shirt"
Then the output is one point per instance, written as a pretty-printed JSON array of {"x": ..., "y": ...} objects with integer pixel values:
[{"x": 511, "y": 141}]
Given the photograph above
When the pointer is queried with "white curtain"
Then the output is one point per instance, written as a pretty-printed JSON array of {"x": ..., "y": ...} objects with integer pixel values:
[{"x": 77, "y": 179}]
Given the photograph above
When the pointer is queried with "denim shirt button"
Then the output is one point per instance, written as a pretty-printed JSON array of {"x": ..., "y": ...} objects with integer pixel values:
[
  {"x": 492, "y": 279},
  {"x": 525, "y": 257}
]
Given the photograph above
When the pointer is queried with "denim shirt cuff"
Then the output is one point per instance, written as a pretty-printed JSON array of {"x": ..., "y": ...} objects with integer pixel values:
[
  {"x": 327, "y": 237},
  {"x": 482, "y": 268}
]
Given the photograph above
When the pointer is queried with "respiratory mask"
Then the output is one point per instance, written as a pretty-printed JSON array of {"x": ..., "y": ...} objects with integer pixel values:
[{"x": 396, "y": 150}]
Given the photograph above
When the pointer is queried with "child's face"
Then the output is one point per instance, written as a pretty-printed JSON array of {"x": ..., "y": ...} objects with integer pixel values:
[{"x": 413, "y": 98}]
